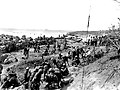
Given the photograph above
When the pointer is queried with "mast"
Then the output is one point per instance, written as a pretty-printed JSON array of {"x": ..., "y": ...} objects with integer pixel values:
[{"x": 85, "y": 53}]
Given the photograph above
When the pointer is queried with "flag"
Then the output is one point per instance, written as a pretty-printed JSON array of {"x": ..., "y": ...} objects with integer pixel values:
[{"x": 88, "y": 21}]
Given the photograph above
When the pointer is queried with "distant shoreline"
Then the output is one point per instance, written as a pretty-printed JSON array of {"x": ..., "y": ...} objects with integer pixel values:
[{"x": 40, "y": 32}]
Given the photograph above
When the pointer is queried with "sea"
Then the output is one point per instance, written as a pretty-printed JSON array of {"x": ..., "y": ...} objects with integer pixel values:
[{"x": 33, "y": 33}]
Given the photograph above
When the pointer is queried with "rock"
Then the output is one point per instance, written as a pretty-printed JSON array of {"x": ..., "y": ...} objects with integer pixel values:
[
  {"x": 10, "y": 59},
  {"x": 19, "y": 88},
  {"x": 3, "y": 57}
]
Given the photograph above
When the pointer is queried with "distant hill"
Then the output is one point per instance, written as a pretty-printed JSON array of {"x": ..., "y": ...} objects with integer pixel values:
[{"x": 79, "y": 33}]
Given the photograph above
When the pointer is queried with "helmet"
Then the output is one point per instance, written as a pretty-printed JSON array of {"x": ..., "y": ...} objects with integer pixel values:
[
  {"x": 12, "y": 74},
  {"x": 27, "y": 68},
  {"x": 64, "y": 64},
  {"x": 40, "y": 70},
  {"x": 62, "y": 67},
  {"x": 36, "y": 69},
  {"x": 57, "y": 70},
  {"x": 51, "y": 70},
  {"x": 45, "y": 66},
  {"x": 40, "y": 67},
  {"x": 8, "y": 69}
]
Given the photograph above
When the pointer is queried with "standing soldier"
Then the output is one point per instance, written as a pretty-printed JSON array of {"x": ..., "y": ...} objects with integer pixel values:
[
  {"x": 73, "y": 53},
  {"x": 107, "y": 46},
  {"x": 60, "y": 56},
  {"x": 65, "y": 43},
  {"x": 38, "y": 48},
  {"x": 1, "y": 68},
  {"x": 82, "y": 52},
  {"x": 48, "y": 46},
  {"x": 27, "y": 53},
  {"x": 35, "y": 48},
  {"x": 78, "y": 52},
  {"x": 59, "y": 46},
  {"x": 27, "y": 77},
  {"x": 54, "y": 48},
  {"x": 65, "y": 60}
]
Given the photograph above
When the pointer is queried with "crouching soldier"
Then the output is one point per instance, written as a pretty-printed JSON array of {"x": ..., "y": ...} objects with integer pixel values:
[
  {"x": 64, "y": 70},
  {"x": 59, "y": 76},
  {"x": 51, "y": 79},
  {"x": 65, "y": 60},
  {"x": 36, "y": 80},
  {"x": 11, "y": 81},
  {"x": 31, "y": 85}
]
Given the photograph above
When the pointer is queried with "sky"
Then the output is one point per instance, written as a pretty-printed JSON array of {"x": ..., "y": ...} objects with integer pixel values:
[{"x": 67, "y": 15}]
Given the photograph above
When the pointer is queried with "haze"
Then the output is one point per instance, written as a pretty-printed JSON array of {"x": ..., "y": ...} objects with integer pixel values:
[{"x": 66, "y": 15}]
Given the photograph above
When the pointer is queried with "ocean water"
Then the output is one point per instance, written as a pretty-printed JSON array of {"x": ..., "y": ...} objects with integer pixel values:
[{"x": 34, "y": 33}]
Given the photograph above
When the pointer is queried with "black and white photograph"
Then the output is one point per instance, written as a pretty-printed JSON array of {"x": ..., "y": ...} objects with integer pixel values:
[{"x": 59, "y": 44}]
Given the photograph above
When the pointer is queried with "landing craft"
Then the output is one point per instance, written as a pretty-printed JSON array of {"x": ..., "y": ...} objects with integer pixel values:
[{"x": 70, "y": 37}]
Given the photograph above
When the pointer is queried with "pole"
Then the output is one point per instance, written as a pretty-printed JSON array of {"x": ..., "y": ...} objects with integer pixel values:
[{"x": 85, "y": 52}]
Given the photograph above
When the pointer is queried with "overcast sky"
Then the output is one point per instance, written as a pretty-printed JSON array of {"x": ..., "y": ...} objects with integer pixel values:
[{"x": 58, "y": 14}]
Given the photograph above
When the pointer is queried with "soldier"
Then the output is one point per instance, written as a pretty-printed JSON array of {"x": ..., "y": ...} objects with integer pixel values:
[
  {"x": 36, "y": 80},
  {"x": 54, "y": 47},
  {"x": 31, "y": 78},
  {"x": 11, "y": 81},
  {"x": 75, "y": 61},
  {"x": 25, "y": 51},
  {"x": 88, "y": 41},
  {"x": 35, "y": 48},
  {"x": 65, "y": 43},
  {"x": 51, "y": 79},
  {"x": 59, "y": 76},
  {"x": 59, "y": 46},
  {"x": 69, "y": 54},
  {"x": 78, "y": 52},
  {"x": 38, "y": 48},
  {"x": 46, "y": 63},
  {"x": 27, "y": 77},
  {"x": 73, "y": 53},
  {"x": 46, "y": 51},
  {"x": 64, "y": 70},
  {"x": 54, "y": 62},
  {"x": 65, "y": 60},
  {"x": 82, "y": 52},
  {"x": 118, "y": 51},
  {"x": 48, "y": 46},
  {"x": 1, "y": 68},
  {"x": 60, "y": 56}
]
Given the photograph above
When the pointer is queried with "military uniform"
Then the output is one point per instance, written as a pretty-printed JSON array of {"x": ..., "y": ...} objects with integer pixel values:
[
  {"x": 64, "y": 70},
  {"x": 51, "y": 79},
  {"x": 31, "y": 85},
  {"x": 27, "y": 77},
  {"x": 36, "y": 80},
  {"x": 11, "y": 81}
]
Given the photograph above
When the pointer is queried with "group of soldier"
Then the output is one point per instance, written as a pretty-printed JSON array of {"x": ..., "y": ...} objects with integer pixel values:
[
  {"x": 52, "y": 74},
  {"x": 97, "y": 41}
]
